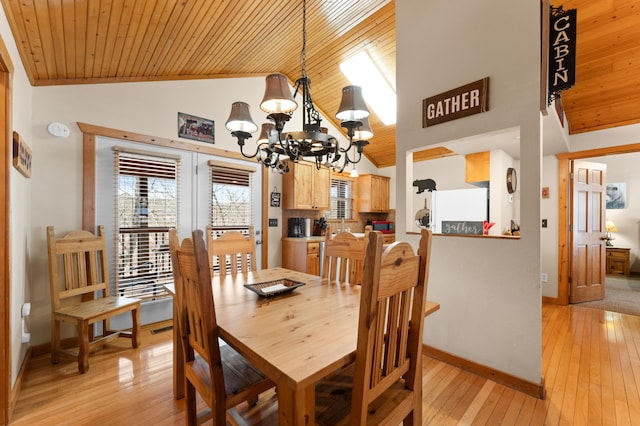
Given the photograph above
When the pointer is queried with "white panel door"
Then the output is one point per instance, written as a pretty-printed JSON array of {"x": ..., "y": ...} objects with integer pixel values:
[{"x": 203, "y": 195}]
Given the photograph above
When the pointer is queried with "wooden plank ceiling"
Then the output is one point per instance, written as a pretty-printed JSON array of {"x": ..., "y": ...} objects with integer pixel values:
[{"x": 95, "y": 41}]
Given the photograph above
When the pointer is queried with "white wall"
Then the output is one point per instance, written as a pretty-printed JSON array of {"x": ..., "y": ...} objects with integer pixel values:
[
  {"x": 489, "y": 289},
  {"x": 20, "y": 200}
]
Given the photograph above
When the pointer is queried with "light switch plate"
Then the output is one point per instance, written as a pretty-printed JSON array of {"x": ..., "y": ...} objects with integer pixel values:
[{"x": 273, "y": 222}]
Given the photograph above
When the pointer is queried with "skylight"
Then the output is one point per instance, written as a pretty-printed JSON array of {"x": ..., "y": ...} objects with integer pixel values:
[{"x": 361, "y": 71}]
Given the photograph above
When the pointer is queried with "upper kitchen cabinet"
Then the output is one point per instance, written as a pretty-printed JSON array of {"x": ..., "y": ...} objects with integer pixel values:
[
  {"x": 478, "y": 168},
  {"x": 306, "y": 187},
  {"x": 373, "y": 193}
]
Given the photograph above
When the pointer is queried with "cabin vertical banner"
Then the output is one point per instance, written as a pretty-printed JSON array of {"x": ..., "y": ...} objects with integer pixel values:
[{"x": 562, "y": 51}]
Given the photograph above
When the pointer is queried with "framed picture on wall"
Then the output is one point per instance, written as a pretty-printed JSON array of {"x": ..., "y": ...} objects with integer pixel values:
[
  {"x": 195, "y": 128},
  {"x": 616, "y": 195}
]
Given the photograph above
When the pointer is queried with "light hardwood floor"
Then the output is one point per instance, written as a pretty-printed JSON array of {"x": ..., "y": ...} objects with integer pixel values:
[{"x": 591, "y": 366}]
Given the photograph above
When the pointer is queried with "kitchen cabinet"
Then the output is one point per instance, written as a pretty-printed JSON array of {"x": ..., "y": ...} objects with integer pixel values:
[
  {"x": 306, "y": 187},
  {"x": 373, "y": 193},
  {"x": 618, "y": 261},
  {"x": 389, "y": 238},
  {"x": 477, "y": 167},
  {"x": 302, "y": 255}
]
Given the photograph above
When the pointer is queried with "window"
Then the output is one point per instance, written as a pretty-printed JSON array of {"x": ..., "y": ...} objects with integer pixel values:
[
  {"x": 147, "y": 207},
  {"x": 231, "y": 195},
  {"x": 341, "y": 199}
]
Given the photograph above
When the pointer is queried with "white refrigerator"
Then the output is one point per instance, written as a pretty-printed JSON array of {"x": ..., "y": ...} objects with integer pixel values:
[{"x": 469, "y": 205}]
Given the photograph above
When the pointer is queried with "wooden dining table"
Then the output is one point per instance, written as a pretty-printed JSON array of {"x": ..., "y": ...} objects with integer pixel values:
[{"x": 295, "y": 339}]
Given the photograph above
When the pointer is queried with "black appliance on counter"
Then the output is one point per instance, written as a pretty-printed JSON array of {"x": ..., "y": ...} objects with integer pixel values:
[
  {"x": 296, "y": 227},
  {"x": 320, "y": 227}
]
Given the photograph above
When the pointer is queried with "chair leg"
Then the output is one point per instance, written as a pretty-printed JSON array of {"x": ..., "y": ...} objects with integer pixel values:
[
  {"x": 55, "y": 340},
  {"x": 252, "y": 401},
  {"x": 190, "y": 400},
  {"x": 83, "y": 351},
  {"x": 135, "y": 330}
]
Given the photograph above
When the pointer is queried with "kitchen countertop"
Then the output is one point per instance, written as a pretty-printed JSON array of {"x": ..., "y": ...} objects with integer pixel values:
[
  {"x": 322, "y": 238},
  {"x": 307, "y": 239}
]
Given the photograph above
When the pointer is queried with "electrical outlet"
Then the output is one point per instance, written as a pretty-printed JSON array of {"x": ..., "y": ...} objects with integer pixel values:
[
  {"x": 273, "y": 222},
  {"x": 544, "y": 277}
]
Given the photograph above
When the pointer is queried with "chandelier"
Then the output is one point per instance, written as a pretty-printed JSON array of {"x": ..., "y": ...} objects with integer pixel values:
[{"x": 313, "y": 143}]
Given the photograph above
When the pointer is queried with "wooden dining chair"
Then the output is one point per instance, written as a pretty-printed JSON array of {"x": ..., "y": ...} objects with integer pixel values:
[
  {"x": 232, "y": 252},
  {"x": 384, "y": 386},
  {"x": 221, "y": 376},
  {"x": 80, "y": 295},
  {"x": 343, "y": 257}
]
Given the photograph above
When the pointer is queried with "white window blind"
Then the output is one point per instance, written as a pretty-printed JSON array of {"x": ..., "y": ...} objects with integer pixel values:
[
  {"x": 230, "y": 197},
  {"x": 341, "y": 199},
  {"x": 147, "y": 207}
]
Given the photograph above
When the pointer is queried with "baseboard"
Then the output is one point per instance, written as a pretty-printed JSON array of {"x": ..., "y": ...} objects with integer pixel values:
[
  {"x": 551, "y": 300},
  {"x": 45, "y": 348},
  {"x": 15, "y": 391},
  {"x": 530, "y": 388}
]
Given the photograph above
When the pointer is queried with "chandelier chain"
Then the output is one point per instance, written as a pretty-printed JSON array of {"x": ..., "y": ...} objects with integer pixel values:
[{"x": 303, "y": 53}]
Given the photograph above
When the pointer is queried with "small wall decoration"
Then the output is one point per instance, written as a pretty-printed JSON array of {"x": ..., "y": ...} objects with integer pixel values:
[
  {"x": 462, "y": 227},
  {"x": 545, "y": 192},
  {"x": 425, "y": 185},
  {"x": 275, "y": 197},
  {"x": 463, "y": 101},
  {"x": 195, "y": 128},
  {"x": 21, "y": 155},
  {"x": 617, "y": 195},
  {"x": 562, "y": 51}
]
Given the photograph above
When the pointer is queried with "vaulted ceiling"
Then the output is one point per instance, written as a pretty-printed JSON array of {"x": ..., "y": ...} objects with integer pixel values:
[{"x": 100, "y": 41}]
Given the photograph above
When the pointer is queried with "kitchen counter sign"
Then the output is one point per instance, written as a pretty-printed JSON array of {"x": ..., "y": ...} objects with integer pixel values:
[
  {"x": 562, "y": 51},
  {"x": 470, "y": 99}
]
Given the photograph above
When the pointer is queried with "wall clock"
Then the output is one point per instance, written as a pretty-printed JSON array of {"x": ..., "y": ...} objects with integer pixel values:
[{"x": 512, "y": 180}]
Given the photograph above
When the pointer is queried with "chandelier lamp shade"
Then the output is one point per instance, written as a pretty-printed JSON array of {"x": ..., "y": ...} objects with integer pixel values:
[{"x": 313, "y": 142}]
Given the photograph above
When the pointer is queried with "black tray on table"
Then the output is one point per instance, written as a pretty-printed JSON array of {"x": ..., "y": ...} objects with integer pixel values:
[{"x": 274, "y": 287}]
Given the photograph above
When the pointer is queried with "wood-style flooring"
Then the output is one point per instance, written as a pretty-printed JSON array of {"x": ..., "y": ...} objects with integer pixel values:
[{"x": 590, "y": 363}]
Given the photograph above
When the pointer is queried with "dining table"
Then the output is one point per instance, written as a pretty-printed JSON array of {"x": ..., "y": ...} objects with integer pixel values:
[{"x": 296, "y": 338}]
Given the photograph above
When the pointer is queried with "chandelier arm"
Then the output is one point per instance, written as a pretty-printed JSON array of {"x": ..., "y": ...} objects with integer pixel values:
[
  {"x": 359, "y": 150},
  {"x": 242, "y": 137},
  {"x": 344, "y": 165}
]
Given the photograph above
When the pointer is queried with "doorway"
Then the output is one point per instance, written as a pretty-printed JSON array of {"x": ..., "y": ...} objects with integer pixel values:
[{"x": 564, "y": 210}]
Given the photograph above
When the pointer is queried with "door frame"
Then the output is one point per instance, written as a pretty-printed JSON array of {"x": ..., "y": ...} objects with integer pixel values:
[
  {"x": 564, "y": 210},
  {"x": 6, "y": 76}
]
